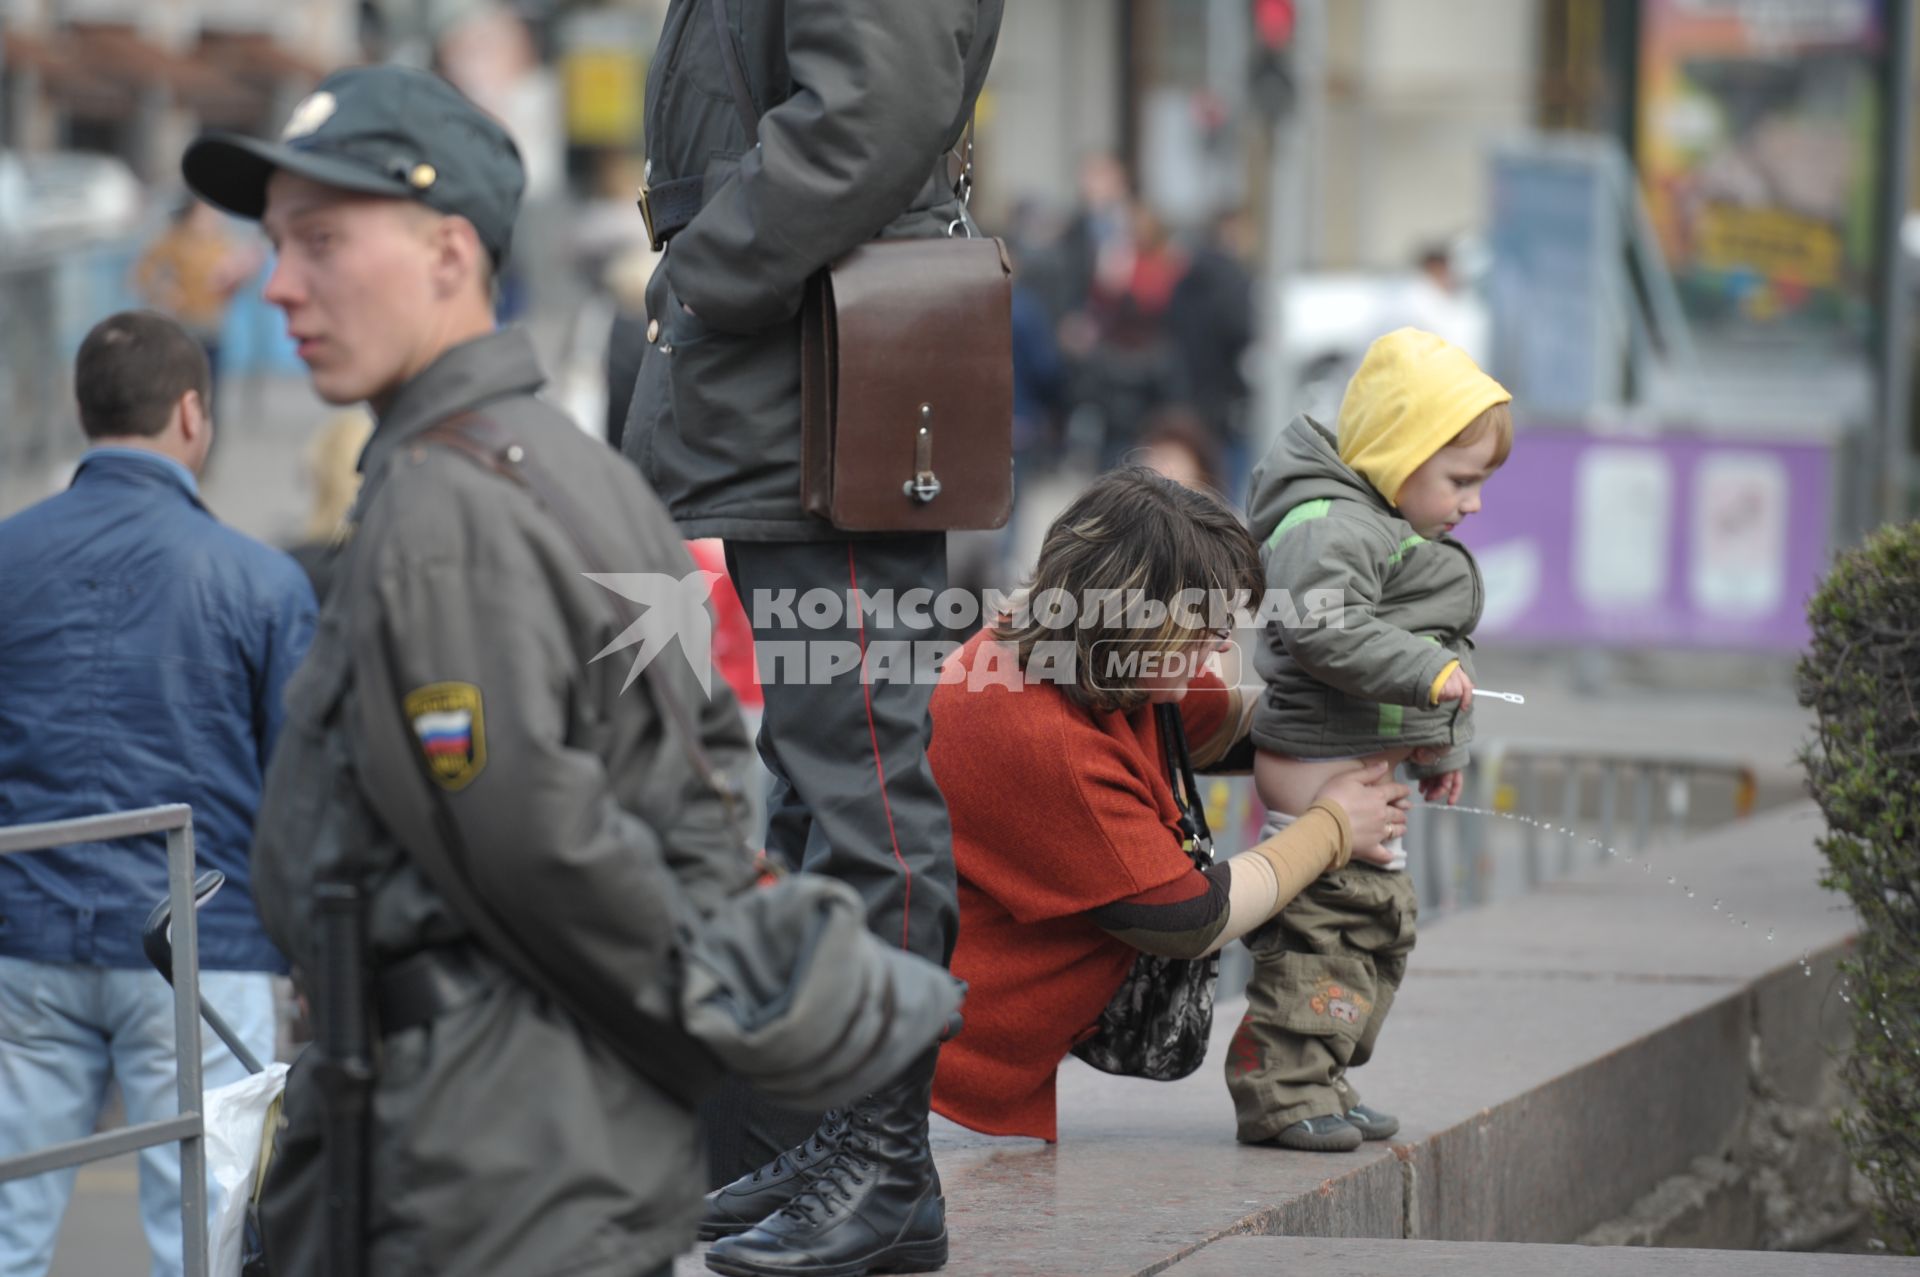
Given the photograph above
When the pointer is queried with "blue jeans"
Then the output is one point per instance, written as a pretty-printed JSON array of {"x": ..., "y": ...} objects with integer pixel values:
[{"x": 63, "y": 1031}]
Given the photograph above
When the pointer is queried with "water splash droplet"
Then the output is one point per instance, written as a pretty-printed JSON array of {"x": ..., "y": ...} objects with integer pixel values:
[
  {"x": 1769, "y": 935},
  {"x": 1671, "y": 880},
  {"x": 1689, "y": 893},
  {"x": 1716, "y": 904}
]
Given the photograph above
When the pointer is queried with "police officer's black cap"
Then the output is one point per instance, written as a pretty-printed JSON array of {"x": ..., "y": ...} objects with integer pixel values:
[{"x": 378, "y": 130}]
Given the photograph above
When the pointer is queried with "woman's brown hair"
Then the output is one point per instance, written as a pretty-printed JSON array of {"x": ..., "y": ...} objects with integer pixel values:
[{"x": 1132, "y": 535}]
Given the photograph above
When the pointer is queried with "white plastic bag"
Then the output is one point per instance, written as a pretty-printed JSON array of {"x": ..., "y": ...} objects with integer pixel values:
[{"x": 236, "y": 1118}]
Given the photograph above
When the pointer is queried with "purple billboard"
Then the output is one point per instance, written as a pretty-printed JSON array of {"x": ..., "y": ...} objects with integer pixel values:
[{"x": 1669, "y": 542}]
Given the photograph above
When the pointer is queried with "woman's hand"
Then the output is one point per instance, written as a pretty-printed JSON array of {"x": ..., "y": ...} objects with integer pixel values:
[{"x": 1376, "y": 808}]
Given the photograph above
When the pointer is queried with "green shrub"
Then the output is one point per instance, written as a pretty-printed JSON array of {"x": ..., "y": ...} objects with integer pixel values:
[{"x": 1861, "y": 676}]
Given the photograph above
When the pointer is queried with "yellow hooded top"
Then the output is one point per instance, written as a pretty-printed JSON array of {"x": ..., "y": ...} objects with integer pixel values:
[{"x": 1412, "y": 394}]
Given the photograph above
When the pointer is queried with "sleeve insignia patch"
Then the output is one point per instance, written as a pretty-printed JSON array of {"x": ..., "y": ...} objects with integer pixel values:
[{"x": 447, "y": 719}]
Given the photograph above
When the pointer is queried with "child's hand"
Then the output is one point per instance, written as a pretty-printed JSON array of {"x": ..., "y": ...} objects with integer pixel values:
[
  {"x": 1444, "y": 788},
  {"x": 1458, "y": 687}
]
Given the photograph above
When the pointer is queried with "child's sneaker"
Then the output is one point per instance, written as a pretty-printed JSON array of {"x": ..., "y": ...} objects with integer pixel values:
[
  {"x": 1330, "y": 1134},
  {"x": 1371, "y": 1123}
]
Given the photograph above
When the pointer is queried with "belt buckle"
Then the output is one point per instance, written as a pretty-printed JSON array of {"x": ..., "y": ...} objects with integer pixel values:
[{"x": 646, "y": 207}]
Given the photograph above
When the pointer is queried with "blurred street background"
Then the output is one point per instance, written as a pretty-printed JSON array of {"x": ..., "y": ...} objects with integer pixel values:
[{"x": 1679, "y": 230}]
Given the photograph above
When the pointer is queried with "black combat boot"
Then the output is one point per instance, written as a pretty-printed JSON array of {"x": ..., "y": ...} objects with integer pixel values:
[
  {"x": 872, "y": 1205},
  {"x": 751, "y": 1198}
]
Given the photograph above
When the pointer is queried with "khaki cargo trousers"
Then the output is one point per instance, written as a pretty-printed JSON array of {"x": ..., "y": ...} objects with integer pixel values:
[{"x": 1324, "y": 975}]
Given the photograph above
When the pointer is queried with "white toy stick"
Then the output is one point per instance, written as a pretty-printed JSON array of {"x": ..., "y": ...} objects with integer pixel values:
[{"x": 1512, "y": 698}]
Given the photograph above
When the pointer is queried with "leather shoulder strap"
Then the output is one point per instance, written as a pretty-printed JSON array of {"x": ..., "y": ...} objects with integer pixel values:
[{"x": 736, "y": 75}]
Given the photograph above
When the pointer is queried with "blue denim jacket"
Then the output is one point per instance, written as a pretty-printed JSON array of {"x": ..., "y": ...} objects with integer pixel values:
[{"x": 143, "y": 647}]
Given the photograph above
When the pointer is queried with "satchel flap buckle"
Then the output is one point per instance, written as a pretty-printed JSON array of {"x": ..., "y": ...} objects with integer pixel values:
[{"x": 925, "y": 485}]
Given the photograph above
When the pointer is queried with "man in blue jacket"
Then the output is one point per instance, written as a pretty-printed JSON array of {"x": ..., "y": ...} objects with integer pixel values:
[{"x": 143, "y": 646}]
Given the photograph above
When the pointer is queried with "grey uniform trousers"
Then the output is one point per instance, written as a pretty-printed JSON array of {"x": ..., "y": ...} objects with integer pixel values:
[{"x": 853, "y": 795}]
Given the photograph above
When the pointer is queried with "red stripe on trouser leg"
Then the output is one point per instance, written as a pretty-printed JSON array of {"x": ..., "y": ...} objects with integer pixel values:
[{"x": 873, "y": 734}]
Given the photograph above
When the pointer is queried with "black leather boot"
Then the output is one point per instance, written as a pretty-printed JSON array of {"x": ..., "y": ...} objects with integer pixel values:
[
  {"x": 740, "y": 1205},
  {"x": 872, "y": 1205}
]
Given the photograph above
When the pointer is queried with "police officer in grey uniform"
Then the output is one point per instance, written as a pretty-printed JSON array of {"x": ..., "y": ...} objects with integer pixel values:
[
  {"x": 782, "y": 134},
  {"x": 454, "y": 752}
]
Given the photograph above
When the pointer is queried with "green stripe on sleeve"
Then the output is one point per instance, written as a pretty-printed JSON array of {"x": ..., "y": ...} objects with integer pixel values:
[{"x": 1305, "y": 512}]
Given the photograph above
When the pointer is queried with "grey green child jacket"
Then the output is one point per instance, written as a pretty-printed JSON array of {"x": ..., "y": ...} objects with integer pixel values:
[{"x": 1359, "y": 679}]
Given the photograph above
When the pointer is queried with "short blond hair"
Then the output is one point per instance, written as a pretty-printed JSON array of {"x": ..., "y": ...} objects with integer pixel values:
[{"x": 1497, "y": 419}]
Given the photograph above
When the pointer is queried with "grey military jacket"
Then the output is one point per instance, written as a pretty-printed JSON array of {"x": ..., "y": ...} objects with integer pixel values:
[
  {"x": 859, "y": 101},
  {"x": 1408, "y": 607},
  {"x": 452, "y": 679}
]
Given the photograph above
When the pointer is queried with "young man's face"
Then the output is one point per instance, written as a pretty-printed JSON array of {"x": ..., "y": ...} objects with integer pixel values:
[
  {"x": 1446, "y": 488},
  {"x": 355, "y": 275}
]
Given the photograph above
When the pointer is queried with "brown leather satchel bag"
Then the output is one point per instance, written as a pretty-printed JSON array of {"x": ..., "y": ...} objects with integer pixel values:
[
  {"x": 906, "y": 371},
  {"x": 907, "y": 387}
]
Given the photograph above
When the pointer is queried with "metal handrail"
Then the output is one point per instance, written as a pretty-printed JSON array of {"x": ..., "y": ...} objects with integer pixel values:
[{"x": 188, "y": 1127}]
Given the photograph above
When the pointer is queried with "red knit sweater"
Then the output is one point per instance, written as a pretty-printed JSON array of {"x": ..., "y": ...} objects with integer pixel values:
[{"x": 1056, "y": 810}]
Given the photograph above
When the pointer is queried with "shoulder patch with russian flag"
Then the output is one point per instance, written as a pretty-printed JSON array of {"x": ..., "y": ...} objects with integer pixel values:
[{"x": 451, "y": 728}]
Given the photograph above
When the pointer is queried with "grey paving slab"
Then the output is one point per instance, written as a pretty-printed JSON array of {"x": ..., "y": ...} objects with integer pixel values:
[{"x": 1341, "y": 1257}]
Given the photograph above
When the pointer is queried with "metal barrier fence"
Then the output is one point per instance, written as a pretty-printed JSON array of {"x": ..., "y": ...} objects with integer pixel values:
[{"x": 187, "y": 1128}]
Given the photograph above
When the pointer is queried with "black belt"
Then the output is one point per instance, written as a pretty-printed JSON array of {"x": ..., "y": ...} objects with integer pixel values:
[
  {"x": 428, "y": 984},
  {"x": 669, "y": 206}
]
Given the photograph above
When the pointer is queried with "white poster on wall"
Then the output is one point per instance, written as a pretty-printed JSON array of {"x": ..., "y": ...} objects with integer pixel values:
[
  {"x": 1622, "y": 528},
  {"x": 1737, "y": 568}
]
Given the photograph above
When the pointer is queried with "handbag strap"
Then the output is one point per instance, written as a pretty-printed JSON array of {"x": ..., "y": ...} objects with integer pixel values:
[{"x": 1186, "y": 786}]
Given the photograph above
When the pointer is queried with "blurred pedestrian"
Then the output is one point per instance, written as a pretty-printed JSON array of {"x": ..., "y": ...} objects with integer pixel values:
[
  {"x": 1129, "y": 368},
  {"x": 333, "y": 477},
  {"x": 844, "y": 114},
  {"x": 1177, "y": 445},
  {"x": 1434, "y": 300},
  {"x": 468, "y": 820},
  {"x": 145, "y": 646},
  {"x": 1210, "y": 321},
  {"x": 191, "y": 272}
]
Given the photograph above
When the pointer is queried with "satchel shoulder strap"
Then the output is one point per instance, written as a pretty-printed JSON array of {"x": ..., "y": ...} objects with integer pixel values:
[
  {"x": 736, "y": 74},
  {"x": 749, "y": 111}
]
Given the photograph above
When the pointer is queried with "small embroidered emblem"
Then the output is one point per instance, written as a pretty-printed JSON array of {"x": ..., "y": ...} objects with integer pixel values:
[{"x": 448, "y": 721}]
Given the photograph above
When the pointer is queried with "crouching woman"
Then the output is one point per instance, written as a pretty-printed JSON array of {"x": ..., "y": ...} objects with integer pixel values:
[{"x": 1066, "y": 829}]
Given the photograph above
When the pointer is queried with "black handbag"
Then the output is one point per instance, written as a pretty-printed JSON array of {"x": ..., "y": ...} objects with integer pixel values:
[{"x": 1157, "y": 1023}]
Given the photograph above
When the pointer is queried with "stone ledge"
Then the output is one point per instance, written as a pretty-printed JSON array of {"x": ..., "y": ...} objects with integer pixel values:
[
  {"x": 1245, "y": 1256},
  {"x": 1553, "y": 1058}
]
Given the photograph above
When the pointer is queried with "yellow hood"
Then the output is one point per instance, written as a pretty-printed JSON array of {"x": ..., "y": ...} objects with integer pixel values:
[{"x": 1413, "y": 393}]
